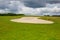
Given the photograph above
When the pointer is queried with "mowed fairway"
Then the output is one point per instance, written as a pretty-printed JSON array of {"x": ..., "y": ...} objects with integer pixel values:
[{"x": 24, "y": 31}]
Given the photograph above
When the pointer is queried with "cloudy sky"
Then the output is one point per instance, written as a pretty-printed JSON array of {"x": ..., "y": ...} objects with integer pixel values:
[{"x": 30, "y": 7}]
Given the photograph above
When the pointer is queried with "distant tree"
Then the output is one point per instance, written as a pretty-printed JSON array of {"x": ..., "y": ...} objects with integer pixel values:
[
  {"x": 56, "y": 15},
  {"x": 11, "y": 14}
]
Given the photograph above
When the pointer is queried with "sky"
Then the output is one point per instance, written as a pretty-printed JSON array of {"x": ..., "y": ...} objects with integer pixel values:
[{"x": 31, "y": 7}]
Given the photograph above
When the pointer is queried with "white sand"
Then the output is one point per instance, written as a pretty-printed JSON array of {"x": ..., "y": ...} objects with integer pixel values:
[{"x": 34, "y": 20}]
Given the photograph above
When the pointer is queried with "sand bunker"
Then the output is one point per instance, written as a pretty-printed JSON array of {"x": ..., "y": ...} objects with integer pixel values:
[{"x": 34, "y": 20}]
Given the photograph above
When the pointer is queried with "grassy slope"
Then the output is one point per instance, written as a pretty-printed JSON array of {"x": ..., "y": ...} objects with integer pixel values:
[{"x": 21, "y": 31}]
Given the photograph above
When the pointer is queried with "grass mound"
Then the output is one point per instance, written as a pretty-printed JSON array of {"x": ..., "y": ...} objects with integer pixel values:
[{"x": 24, "y": 31}]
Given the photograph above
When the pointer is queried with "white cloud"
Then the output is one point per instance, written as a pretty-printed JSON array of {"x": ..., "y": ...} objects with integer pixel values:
[
  {"x": 4, "y": 11},
  {"x": 41, "y": 11},
  {"x": 19, "y": 7}
]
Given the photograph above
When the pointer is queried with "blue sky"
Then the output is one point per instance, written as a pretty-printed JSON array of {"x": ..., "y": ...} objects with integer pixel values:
[{"x": 30, "y": 7}]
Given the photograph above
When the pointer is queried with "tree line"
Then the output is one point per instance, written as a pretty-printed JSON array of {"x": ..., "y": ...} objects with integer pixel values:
[
  {"x": 53, "y": 15},
  {"x": 11, "y": 14}
]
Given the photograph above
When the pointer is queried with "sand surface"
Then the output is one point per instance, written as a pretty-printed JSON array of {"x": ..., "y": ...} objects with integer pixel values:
[{"x": 34, "y": 20}]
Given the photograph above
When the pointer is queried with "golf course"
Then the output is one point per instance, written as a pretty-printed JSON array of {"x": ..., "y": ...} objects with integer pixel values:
[{"x": 28, "y": 31}]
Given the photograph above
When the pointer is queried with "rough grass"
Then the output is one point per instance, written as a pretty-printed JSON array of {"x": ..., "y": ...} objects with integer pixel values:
[{"x": 22, "y": 31}]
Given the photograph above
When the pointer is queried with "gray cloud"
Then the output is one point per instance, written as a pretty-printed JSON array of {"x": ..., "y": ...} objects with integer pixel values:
[
  {"x": 29, "y": 7},
  {"x": 35, "y": 3},
  {"x": 53, "y": 1},
  {"x": 29, "y": 3}
]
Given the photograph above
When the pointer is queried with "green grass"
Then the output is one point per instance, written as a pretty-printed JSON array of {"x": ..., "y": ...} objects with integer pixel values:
[{"x": 24, "y": 31}]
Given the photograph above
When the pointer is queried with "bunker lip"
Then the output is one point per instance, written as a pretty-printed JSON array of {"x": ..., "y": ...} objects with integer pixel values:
[{"x": 33, "y": 20}]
